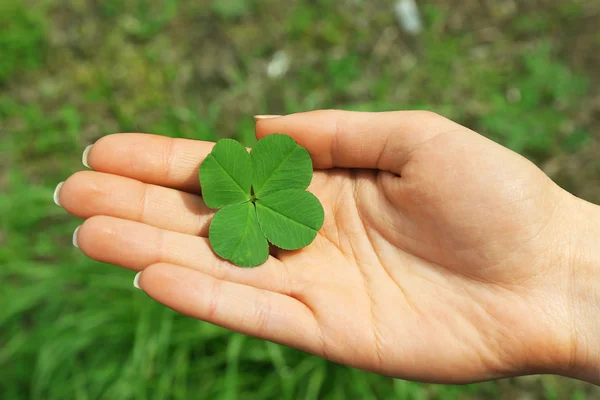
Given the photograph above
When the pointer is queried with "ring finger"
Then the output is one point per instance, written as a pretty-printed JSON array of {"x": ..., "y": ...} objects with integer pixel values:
[{"x": 135, "y": 246}]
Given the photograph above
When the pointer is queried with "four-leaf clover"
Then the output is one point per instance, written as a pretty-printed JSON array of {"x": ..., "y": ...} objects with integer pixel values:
[{"x": 262, "y": 197}]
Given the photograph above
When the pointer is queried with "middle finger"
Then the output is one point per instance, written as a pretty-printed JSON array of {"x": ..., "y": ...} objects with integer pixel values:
[{"x": 88, "y": 193}]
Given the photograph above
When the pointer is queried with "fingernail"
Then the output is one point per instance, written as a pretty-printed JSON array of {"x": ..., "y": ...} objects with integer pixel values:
[
  {"x": 84, "y": 157},
  {"x": 75, "y": 236},
  {"x": 57, "y": 193},
  {"x": 261, "y": 117},
  {"x": 136, "y": 280}
]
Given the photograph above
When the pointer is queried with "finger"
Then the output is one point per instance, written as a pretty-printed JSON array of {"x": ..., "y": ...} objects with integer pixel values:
[
  {"x": 134, "y": 245},
  {"x": 89, "y": 193},
  {"x": 248, "y": 310},
  {"x": 356, "y": 139},
  {"x": 152, "y": 159}
]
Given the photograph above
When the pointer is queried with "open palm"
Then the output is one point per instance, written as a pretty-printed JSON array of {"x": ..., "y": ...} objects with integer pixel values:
[{"x": 432, "y": 263}]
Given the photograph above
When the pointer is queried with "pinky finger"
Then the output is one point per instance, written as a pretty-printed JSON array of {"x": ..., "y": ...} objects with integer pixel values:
[{"x": 261, "y": 313}]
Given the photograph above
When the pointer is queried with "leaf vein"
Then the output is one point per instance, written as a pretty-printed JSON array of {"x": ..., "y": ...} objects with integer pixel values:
[
  {"x": 287, "y": 217},
  {"x": 227, "y": 173},
  {"x": 244, "y": 234},
  {"x": 277, "y": 169}
]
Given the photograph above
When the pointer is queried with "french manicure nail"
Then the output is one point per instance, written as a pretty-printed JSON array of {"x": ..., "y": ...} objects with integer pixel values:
[
  {"x": 136, "y": 280},
  {"x": 75, "y": 236},
  {"x": 84, "y": 157},
  {"x": 57, "y": 193},
  {"x": 261, "y": 117}
]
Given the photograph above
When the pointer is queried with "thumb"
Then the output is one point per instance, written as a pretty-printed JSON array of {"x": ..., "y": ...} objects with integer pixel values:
[{"x": 349, "y": 139}]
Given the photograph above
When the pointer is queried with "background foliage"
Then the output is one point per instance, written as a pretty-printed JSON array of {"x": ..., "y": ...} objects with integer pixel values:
[{"x": 525, "y": 73}]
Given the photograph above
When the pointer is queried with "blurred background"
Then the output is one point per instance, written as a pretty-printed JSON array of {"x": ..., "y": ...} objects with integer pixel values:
[{"x": 525, "y": 73}]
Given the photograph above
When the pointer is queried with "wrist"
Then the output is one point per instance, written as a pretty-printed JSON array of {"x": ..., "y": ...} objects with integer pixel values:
[{"x": 583, "y": 290}]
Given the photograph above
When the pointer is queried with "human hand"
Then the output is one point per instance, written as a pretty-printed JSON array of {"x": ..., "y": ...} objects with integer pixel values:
[{"x": 443, "y": 257}]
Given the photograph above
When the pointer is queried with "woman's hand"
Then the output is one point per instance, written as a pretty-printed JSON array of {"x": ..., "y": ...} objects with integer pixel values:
[{"x": 444, "y": 256}]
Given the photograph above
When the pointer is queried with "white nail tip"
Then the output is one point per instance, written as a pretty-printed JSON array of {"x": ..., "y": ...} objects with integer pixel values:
[
  {"x": 75, "y": 243},
  {"x": 136, "y": 280},
  {"x": 84, "y": 157},
  {"x": 262, "y": 117},
  {"x": 57, "y": 193}
]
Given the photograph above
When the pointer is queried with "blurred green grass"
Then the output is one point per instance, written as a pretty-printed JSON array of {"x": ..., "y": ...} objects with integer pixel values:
[{"x": 72, "y": 71}]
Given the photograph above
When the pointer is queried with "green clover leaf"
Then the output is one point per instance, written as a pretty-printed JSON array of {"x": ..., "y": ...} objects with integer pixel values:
[{"x": 262, "y": 198}]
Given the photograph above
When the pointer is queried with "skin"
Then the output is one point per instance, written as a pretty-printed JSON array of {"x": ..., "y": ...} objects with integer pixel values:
[{"x": 444, "y": 257}]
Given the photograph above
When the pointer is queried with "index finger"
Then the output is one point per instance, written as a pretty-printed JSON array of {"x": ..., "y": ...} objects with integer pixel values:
[{"x": 153, "y": 159}]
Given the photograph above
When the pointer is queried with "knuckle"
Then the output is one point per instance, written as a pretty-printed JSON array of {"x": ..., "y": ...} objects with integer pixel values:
[
  {"x": 142, "y": 206},
  {"x": 168, "y": 154},
  {"x": 287, "y": 280},
  {"x": 213, "y": 302},
  {"x": 260, "y": 317}
]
